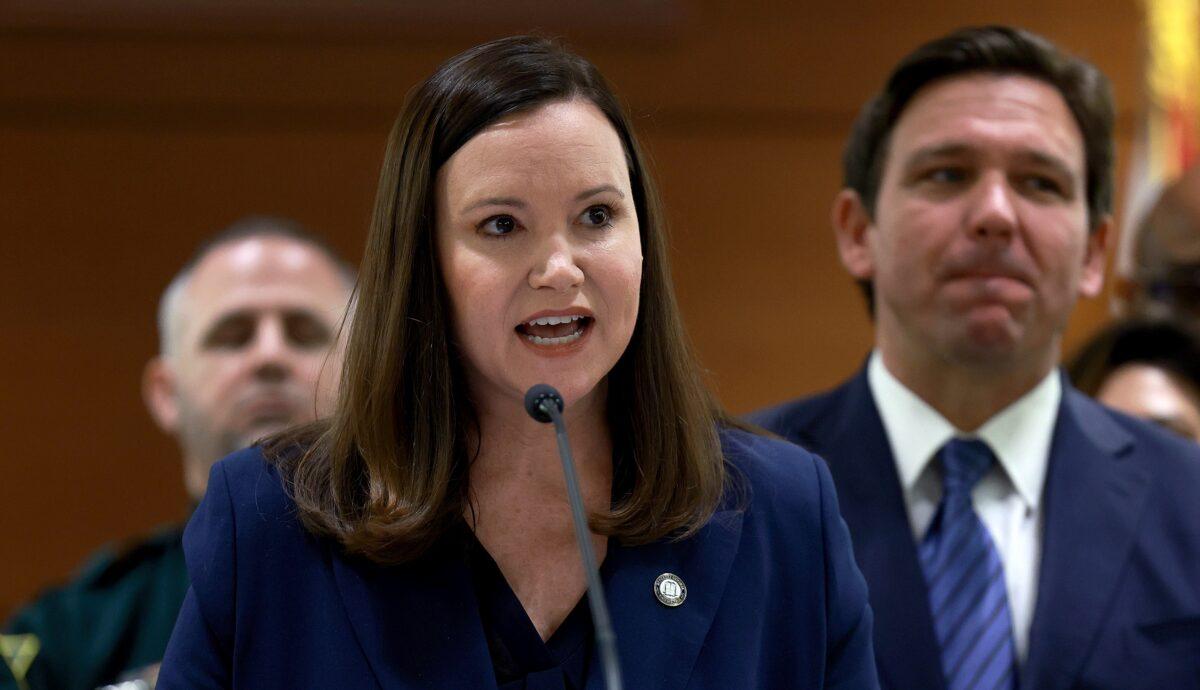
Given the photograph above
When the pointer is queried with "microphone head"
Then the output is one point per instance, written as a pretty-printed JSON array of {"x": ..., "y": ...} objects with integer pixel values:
[{"x": 539, "y": 395}]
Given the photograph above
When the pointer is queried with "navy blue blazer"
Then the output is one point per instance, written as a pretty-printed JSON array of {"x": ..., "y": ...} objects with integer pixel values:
[
  {"x": 1118, "y": 599},
  {"x": 774, "y": 597}
]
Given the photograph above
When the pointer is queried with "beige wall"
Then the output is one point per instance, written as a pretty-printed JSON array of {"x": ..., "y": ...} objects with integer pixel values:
[{"x": 128, "y": 137}]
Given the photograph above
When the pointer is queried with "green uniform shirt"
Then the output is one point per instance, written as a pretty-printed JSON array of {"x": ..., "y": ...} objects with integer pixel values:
[{"x": 115, "y": 617}]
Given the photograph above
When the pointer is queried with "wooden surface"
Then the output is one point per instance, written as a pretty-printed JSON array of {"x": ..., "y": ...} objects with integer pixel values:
[{"x": 130, "y": 132}]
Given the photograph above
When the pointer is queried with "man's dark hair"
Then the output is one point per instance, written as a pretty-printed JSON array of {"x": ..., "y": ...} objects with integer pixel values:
[{"x": 998, "y": 50}]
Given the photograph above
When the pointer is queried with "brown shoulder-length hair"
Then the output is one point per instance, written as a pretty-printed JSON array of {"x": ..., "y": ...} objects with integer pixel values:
[{"x": 386, "y": 475}]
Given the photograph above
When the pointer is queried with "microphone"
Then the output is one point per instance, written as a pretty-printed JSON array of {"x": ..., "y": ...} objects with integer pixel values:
[{"x": 544, "y": 404}]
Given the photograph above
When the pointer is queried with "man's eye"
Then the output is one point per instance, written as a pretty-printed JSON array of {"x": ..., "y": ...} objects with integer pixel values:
[
  {"x": 1043, "y": 184},
  {"x": 304, "y": 330},
  {"x": 946, "y": 175},
  {"x": 598, "y": 216},
  {"x": 498, "y": 226},
  {"x": 230, "y": 335}
]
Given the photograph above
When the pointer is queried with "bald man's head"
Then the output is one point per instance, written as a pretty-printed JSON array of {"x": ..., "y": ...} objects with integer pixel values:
[{"x": 247, "y": 332}]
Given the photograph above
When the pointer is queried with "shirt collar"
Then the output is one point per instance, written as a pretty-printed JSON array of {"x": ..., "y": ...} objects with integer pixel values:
[{"x": 1019, "y": 435}]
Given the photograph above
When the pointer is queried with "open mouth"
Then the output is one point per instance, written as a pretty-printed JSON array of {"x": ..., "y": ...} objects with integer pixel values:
[{"x": 549, "y": 331}]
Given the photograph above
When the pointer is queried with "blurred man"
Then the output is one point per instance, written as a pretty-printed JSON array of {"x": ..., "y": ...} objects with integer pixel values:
[
  {"x": 1012, "y": 531},
  {"x": 1164, "y": 262},
  {"x": 246, "y": 331}
]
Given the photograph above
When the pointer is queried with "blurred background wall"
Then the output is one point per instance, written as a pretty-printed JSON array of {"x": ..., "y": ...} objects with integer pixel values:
[{"x": 130, "y": 130}]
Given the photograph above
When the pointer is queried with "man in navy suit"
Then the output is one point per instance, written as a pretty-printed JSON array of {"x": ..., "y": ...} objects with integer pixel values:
[{"x": 1012, "y": 531}]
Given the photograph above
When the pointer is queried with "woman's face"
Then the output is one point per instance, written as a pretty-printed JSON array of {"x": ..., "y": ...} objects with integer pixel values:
[
  {"x": 538, "y": 243},
  {"x": 1146, "y": 391}
]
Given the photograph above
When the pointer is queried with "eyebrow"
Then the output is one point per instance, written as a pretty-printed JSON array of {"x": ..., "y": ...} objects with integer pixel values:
[
  {"x": 495, "y": 201},
  {"x": 596, "y": 190},
  {"x": 225, "y": 320},
  {"x": 517, "y": 203},
  {"x": 250, "y": 313},
  {"x": 1173, "y": 423},
  {"x": 1049, "y": 161},
  {"x": 951, "y": 150},
  {"x": 924, "y": 155}
]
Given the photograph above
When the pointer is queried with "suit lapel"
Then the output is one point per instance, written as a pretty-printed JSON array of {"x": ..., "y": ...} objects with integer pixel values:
[
  {"x": 1093, "y": 499},
  {"x": 417, "y": 624},
  {"x": 872, "y": 503},
  {"x": 658, "y": 646}
]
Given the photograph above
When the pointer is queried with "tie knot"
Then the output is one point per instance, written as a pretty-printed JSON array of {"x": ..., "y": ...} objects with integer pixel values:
[{"x": 964, "y": 462}]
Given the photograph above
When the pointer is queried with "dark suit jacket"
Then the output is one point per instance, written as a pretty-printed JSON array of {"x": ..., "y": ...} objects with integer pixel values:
[
  {"x": 1118, "y": 599},
  {"x": 774, "y": 598}
]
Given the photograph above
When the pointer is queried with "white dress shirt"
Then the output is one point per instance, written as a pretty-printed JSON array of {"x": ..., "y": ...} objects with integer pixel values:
[{"x": 1007, "y": 499}]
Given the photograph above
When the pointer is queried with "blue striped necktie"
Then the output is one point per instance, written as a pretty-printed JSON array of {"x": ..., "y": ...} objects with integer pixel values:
[{"x": 967, "y": 596}]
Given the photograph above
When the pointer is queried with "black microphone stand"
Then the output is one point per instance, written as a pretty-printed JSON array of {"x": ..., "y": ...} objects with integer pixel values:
[{"x": 544, "y": 404}]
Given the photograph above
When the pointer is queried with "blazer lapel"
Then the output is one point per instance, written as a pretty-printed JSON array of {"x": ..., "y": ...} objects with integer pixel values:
[
  {"x": 872, "y": 503},
  {"x": 1093, "y": 499},
  {"x": 658, "y": 646},
  {"x": 417, "y": 624}
]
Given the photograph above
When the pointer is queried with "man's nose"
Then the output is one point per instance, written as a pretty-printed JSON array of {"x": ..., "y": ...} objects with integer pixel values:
[
  {"x": 271, "y": 351},
  {"x": 992, "y": 215},
  {"x": 557, "y": 266}
]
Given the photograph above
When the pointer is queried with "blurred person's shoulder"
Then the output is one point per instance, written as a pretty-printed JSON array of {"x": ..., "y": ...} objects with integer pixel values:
[
  {"x": 115, "y": 613},
  {"x": 251, "y": 487},
  {"x": 1172, "y": 461},
  {"x": 113, "y": 575},
  {"x": 808, "y": 420},
  {"x": 774, "y": 477}
]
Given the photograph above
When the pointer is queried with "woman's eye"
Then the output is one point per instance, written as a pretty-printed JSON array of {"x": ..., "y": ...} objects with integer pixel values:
[
  {"x": 598, "y": 216},
  {"x": 499, "y": 225}
]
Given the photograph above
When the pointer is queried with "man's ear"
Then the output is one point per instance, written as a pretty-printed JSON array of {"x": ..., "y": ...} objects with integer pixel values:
[
  {"x": 1091, "y": 279},
  {"x": 158, "y": 391},
  {"x": 851, "y": 221}
]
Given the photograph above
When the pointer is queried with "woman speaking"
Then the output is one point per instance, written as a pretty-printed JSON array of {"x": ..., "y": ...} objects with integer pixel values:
[{"x": 422, "y": 536}]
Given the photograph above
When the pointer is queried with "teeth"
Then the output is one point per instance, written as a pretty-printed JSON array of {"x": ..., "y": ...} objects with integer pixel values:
[
  {"x": 553, "y": 320},
  {"x": 537, "y": 340}
]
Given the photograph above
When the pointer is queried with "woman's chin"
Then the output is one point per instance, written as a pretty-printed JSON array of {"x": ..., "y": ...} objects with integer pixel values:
[{"x": 576, "y": 390}]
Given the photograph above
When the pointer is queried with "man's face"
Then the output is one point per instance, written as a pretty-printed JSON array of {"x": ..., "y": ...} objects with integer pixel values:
[
  {"x": 255, "y": 325},
  {"x": 979, "y": 245}
]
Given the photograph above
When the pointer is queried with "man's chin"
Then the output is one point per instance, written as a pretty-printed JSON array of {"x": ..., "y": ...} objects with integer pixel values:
[
  {"x": 263, "y": 430},
  {"x": 989, "y": 348}
]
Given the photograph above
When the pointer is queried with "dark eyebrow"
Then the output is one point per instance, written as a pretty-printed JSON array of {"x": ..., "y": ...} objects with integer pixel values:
[
  {"x": 1054, "y": 162},
  {"x": 596, "y": 190},
  {"x": 225, "y": 320},
  {"x": 495, "y": 201},
  {"x": 921, "y": 156},
  {"x": 954, "y": 149},
  {"x": 1172, "y": 423}
]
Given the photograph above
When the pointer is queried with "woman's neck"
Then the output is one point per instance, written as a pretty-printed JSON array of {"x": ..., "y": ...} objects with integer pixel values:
[{"x": 518, "y": 466}]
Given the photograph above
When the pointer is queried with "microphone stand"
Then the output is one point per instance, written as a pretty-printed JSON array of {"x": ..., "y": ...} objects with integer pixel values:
[{"x": 546, "y": 400}]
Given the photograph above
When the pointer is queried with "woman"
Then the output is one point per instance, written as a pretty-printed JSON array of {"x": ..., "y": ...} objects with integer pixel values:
[
  {"x": 1145, "y": 368},
  {"x": 422, "y": 537}
]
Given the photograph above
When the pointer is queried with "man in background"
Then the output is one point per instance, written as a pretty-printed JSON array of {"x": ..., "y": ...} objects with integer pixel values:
[
  {"x": 247, "y": 333},
  {"x": 1012, "y": 531}
]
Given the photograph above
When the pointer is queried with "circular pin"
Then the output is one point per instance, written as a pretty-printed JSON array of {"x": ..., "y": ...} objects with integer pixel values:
[{"x": 670, "y": 590}]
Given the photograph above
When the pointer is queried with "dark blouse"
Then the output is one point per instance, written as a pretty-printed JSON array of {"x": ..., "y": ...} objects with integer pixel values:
[{"x": 520, "y": 659}]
